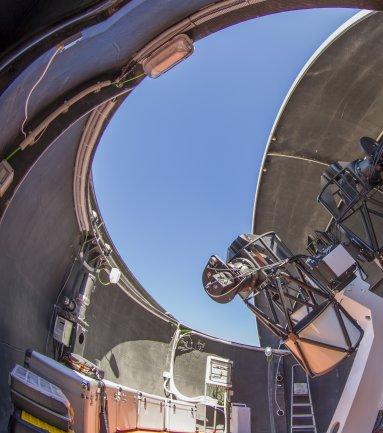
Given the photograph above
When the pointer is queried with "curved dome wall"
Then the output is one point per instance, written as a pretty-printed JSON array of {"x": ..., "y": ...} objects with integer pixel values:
[
  {"x": 135, "y": 348},
  {"x": 39, "y": 240},
  {"x": 336, "y": 99},
  {"x": 131, "y": 343},
  {"x": 39, "y": 230}
]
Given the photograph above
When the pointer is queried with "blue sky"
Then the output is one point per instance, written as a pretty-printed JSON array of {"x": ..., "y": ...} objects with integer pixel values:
[{"x": 175, "y": 173}]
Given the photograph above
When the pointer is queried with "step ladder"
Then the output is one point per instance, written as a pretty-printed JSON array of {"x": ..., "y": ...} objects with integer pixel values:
[{"x": 302, "y": 412}]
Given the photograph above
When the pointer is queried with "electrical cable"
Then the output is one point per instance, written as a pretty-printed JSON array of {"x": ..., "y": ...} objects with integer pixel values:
[
  {"x": 58, "y": 50},
  {"x": 226, "y": 293},
  {"x": 121, "y": 83},
  {"x": 169, "y": 384},
  {"x": 275, "y": 393},
  {"x": 85, "y": 241},
  {"x": 269, "y": 361},
  {"x": 12, "y": 153},
  {"x": 40, "y": 135},
  {"x": 99, "y": 279},
  {"x": 11, "y": 346},
  {"x": 276, "y": 375},
  {"x": 129, "y": 288},
  {"x": 60, "y": 293}
]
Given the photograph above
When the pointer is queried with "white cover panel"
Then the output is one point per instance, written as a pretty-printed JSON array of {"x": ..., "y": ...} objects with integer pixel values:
[
  {"x": 339, "y": 260},
  {"x": 218, "y": 371},
  {"x": 325, "y": 328},
  {"x": 300, "y": 313},
  {"x": 320, "y": 359}
]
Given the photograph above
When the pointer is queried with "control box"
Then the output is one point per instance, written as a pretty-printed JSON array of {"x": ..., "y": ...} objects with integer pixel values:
[
  {"x": 218, "y": 371},
  {"x": 62, "y": 331}
]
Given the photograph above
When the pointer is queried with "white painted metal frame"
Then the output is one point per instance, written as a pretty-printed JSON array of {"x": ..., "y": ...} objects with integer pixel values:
[{"x": 362, "y": 396}]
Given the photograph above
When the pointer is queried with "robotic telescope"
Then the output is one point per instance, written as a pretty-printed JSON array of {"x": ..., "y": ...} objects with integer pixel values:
[{"x": 294, "y": 296}]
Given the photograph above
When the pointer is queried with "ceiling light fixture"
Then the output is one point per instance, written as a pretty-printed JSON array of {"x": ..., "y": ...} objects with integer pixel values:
[{"x": 168, "y": 55}]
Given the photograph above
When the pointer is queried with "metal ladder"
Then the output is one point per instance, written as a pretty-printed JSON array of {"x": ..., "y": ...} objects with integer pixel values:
[{"x": 302, "y": 413}]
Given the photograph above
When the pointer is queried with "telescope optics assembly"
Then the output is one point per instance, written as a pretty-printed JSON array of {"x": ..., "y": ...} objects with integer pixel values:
[
  {"x": 352, "y": 193},
  {"x": 294, "y": 296}
]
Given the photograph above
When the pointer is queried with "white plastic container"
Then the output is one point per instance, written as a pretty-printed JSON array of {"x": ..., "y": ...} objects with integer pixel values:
[
  {"x": 151, "y": 412},
  {"x": 240, "y": 418},
  {"x": 180, "y": 417}
]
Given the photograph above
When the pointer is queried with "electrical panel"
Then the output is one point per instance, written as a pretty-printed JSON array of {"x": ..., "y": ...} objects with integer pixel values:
[
  {"x": 218, "y": 371},
  {"x": 63, "y": 330}
]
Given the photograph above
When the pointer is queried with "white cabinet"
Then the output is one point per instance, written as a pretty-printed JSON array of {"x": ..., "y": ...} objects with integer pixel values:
[{"x": 240, "y": 418}]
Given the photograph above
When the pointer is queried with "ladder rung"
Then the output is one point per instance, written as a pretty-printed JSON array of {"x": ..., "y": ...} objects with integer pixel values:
[
  {"x": 301, "y": 422},
  {"x": 305, "y": 430}
]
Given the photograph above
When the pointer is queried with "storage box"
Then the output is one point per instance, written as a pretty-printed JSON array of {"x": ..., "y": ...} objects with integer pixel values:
[
  {"x": 240, "y": 418},
  {"x": 122, "y": 407},
  {"x": 151, "y": 412},
  {"x": 81, "y": 391},
  {"x": 180, "y": 417}
]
